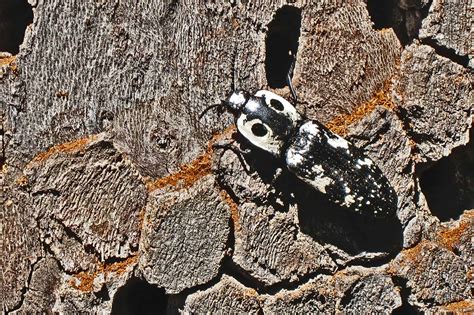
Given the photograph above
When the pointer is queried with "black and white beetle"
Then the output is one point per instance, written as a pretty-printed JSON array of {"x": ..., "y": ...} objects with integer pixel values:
[{"x": 322, "y": 159}]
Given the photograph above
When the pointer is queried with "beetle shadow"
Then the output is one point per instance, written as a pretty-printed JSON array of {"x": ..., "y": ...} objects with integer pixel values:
[{"x": 324, "y": 221}]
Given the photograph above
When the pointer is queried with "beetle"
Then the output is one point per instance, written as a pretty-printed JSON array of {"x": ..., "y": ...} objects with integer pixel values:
[{"x": 324, "y": 160}]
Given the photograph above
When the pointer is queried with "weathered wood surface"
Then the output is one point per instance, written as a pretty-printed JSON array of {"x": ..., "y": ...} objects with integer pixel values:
[
  {"x": 449, "y": 25},
  {"x": 114, "y": 199}
]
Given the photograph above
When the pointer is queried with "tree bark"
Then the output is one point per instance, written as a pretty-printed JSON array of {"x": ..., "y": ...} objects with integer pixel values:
[{"x": 115, "y": 197}]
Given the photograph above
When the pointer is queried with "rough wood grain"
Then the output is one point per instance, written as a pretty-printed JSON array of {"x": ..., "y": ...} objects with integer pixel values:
[
  {"x": 185, "y": 236},
  {"x": 449, "y": 25},
  {"x": 95, "y": 195},
  {"x": 227, "y": 296},
  {"x": 342, "y": 60},
  {"x": 435, "y": 97},
  {"x": 21, "y": 248},
  {"x": 435, "y": 275},
  {"x": 113, "y": 198},
  {"x": 42, "y": 287},
  {"x": 354, "y": 289}
]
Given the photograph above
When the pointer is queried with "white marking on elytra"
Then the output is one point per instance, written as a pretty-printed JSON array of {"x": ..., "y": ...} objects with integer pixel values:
[
  {"x": 318, "y": 169},
  {"x": 365, "y": 161},
  {"x": 347, "y": 189},
  {"x": 311, "y": 128},
  {"x": 320, "y": 183},
  {"x": 348, "y": 200},
  {"x": 338, "y": 142},
  {"x": 293, "y": 158}
]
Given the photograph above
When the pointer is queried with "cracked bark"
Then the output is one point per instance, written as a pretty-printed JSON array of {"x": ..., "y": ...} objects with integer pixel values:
[{"x": 113, "y": 198}]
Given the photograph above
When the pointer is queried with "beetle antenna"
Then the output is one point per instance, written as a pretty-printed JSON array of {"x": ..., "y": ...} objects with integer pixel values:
[
  {"x": 289, "y": 75},
  {"x": 234, "y": 68},
  {"x": 221, "y": 104}
]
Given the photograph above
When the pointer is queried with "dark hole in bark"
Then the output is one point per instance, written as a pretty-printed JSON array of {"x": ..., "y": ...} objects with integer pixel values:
[
  {"x": 448, "y": 184},
  {"x": 449, "y": 53},
  {"x": 405, "y": 21},
  {"x": 139, "y": 297},
  {"x": 15, "y": 16},
  {"x": 281, "y": 44},
  {"x": 103, "y": 294},
  {"x": 406, "y": 308},
  {"x": 381, "y": 13}
]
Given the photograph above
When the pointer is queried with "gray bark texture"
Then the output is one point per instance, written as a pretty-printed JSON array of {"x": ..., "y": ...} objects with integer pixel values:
[{"x": 115, "y": 197}]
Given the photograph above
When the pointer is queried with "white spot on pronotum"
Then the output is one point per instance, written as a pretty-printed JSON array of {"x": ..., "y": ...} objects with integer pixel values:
[
  {"x": 368, "y": 202},
  {"x": 321, "y": 183},
  {"x": 237, "y": 98},
  {"x": 348, "y": 200},
  {"x": 338, "y": 143},
  {"x": 252, "y": 105},
  {"x": 311, "y": 128},
  {"x": 347, "y": 189}
]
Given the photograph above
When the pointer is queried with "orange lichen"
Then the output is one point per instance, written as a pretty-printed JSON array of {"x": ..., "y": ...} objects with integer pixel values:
[
  {"x": 339, "y": 124},
  {"x": 234, "y": 210},
  {"x": 72, "y": 146},
  {"x": 409, "y": 256},
  {"x": 250, "y": 293},
  {"x": 121, "y": 266},
  {"x": 86, "y": 279},
  {"x": 470, "y": 275},
  {"x": 8, "y": 61},
  {"x": 62, "y": 93},
  {"x": 385, "y": 30},
  {"x": 461, "y": 307},
  {"x": 189, "y": 173},
  {"x": 22, "y": 181},
  {"x": 141, "y": 218},
  {"x": 448, "y": 238}
]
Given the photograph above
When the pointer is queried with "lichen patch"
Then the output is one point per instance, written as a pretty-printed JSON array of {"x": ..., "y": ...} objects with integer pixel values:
[
  {"x": 189, "y": 173},
  {"x": 84, "y": 280},
  {"x": 67, "y": 147},
  {"x": 340, "y": 124}
]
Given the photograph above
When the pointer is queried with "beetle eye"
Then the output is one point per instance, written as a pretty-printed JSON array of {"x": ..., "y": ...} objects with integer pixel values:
[
  {"x": 259, "y": 130},
  {"x": 276, "y": 104}
]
